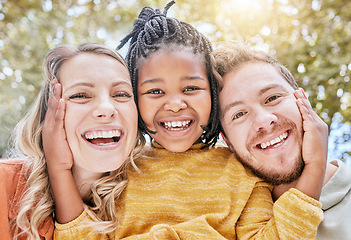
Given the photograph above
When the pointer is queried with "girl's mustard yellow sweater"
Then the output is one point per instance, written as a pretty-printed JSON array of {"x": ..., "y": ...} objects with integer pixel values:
[{"x": 202, "y": 194}]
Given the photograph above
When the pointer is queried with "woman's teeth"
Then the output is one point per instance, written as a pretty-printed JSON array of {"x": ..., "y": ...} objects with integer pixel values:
[
  {"x": 176, "y": 125},
  {"x": 103, "y": 137},
  {"x": 102, "y": 134},
  {"x": 274, "y": 141}
]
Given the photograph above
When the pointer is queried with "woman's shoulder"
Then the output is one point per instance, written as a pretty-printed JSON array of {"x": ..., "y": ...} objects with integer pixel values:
[
  {"x": 13, "y": 167},
  {"x": 13, "y": 182},
  {"x": 13, "y": 175}
]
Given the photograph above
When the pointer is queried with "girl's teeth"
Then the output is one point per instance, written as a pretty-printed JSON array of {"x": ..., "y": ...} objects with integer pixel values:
[{"x": 176, "y": 125}]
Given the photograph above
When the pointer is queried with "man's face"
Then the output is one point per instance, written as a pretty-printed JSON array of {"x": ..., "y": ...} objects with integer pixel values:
[{"x": 262, "y": 122}]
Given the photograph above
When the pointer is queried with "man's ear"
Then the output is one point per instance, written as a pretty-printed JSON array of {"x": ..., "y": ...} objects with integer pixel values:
[{"x": 230, "y": 146}]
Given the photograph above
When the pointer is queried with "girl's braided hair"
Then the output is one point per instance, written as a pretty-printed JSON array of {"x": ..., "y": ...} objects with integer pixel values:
[{"x": 153, "y": 31}]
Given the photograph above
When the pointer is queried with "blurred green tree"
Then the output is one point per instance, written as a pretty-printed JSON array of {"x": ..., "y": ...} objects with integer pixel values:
[{"x": 312, "y": 38}]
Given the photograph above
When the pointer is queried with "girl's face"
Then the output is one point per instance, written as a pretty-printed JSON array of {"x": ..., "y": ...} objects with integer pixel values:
[
  {"x": 174, "y": 98},
  {"x": 101, "y": 116}
]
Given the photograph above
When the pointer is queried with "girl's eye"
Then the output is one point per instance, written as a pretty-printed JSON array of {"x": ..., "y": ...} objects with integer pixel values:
[
  {"x": 155, "y": 91},
  {"x": 190, "y": 88},
  {"x": 238, "y": 115},
  {"x": 78, "y": 96}
]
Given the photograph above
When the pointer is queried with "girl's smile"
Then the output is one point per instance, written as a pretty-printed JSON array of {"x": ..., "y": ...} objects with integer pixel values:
[
  {"x": 176, "y": 125},
  {"x": 174, "y": 98}
]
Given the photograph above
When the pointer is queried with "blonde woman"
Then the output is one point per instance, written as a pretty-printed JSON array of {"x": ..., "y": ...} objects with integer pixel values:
[{"x": 90, "y": 86}]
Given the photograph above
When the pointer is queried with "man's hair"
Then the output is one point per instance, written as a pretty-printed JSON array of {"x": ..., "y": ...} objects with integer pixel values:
[
  {"x": 232, "y": 56},
  {"x": 154, "y": 31}
]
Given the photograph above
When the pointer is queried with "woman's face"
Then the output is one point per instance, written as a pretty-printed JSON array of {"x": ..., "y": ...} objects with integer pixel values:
[
  {"x": 101, "y": 116},
  {"x": 174, "y": 98}
]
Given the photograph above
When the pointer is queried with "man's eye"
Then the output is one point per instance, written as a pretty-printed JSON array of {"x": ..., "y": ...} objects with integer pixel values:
[
  {"x": 238, "y": 115},
  {"x": 272, "y": 98},
  {"x": 78, "y": 96}
]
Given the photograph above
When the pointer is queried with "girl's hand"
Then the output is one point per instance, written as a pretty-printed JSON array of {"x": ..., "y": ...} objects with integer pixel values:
[
  {"x": 315, "y": 139},
  {"x": 59, "y": 160},
  {"x": 314, "y": 148},
  {"x": 57, "y": 152}
]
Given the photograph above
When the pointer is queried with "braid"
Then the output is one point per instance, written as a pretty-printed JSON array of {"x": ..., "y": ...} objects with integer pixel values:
[{"x": 152, "y": 31}]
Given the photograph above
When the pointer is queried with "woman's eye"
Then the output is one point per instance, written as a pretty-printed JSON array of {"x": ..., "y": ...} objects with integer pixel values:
[
  {"x": 190, "y": 88},
  {"x": 122, "y": 95},
  {"x": 78, "y": 96}
]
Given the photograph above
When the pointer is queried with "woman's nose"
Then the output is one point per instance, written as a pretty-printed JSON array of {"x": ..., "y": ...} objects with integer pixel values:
[{"x": 104, "y": 109}]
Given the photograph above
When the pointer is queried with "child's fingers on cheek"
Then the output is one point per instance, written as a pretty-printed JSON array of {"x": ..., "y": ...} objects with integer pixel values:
[
  {"x": 297, "y": 94},
  {"x": 51, "y": 110},
  {"x": 305, "y": 113},
  {"x": 50, "y": 107},
  {"x": 310, "y": 110},
  {"x": 300, "y": 106},
  {"x": 60, "y": 114},
  {"x": 303, "y": 93},
  {"x": 59, "y": 90},
  {"x": 307, "y": 104}
]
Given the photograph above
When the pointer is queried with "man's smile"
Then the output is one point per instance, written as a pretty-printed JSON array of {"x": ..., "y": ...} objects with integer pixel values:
[{"x": 276, "y": 142}]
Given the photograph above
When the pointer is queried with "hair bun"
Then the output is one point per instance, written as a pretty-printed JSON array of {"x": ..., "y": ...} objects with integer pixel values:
[{"x": 151, "y": 24}]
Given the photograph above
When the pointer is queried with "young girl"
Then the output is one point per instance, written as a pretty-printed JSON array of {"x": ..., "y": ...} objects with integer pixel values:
[
  {"x": 188, "y": 189},
  {"x": 99, "y": 97}
]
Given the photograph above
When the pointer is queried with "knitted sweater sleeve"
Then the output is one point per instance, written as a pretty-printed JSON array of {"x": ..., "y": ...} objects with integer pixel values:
[
  {"x": 295, "y": 216},
  {"x": 193, "y": 229},
  {"x": 78, "y": 229}
]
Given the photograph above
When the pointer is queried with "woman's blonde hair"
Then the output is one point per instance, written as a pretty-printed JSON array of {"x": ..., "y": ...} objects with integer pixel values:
[{"x": 37, "y": 203}]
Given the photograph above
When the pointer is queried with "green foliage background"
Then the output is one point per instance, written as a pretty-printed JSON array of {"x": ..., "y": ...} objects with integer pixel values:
[{"x": 311, "y": 37}]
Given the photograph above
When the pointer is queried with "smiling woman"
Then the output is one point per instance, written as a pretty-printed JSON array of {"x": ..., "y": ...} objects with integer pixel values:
[
  {"x": 96, "y": 120},
  {"x": 95, "y": 125},
  {"x": 99, "y": 104}
]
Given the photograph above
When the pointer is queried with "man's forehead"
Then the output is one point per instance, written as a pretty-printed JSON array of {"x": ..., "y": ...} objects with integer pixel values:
[
  {"x": 244, "y": 86},
  {"x": 254, "y": 76}
]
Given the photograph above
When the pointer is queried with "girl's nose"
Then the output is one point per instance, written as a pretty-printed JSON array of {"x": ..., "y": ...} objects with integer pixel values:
[{"x": 175, "y": 104}]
